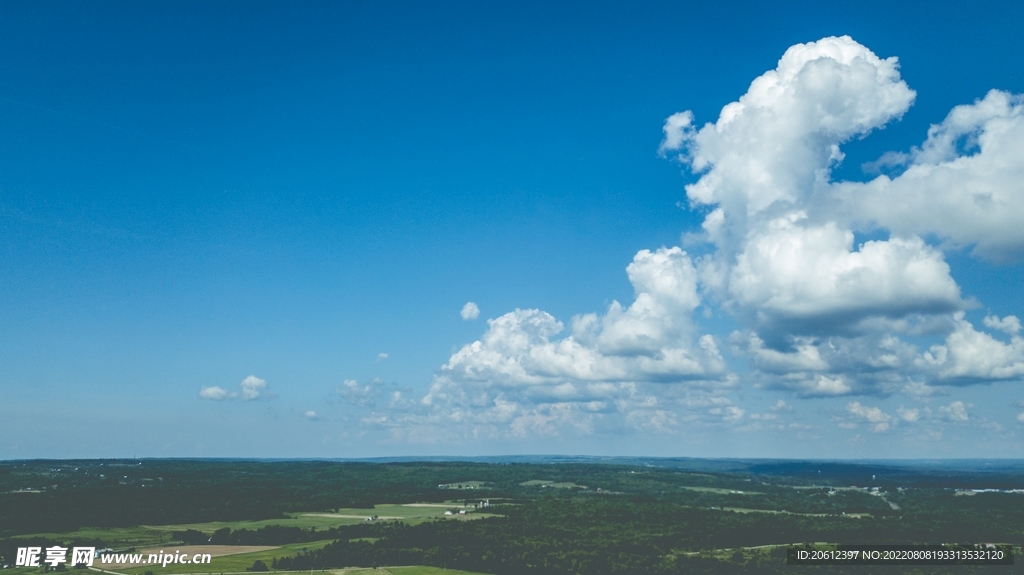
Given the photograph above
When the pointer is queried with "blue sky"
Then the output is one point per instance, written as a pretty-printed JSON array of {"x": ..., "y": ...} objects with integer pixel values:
[{"x": 249, "y": 229}]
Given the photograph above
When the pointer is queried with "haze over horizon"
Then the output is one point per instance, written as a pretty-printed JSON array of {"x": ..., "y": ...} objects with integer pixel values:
[{"x": 352, "y": 230}]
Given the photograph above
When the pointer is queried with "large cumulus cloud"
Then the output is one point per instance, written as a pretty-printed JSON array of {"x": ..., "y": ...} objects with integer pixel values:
[
  {"x": 782, "y": 261},
  {"x": 530, "y": 371},
  {"x": 820, "y": 312},
  {"x": 824, "y": 315}
]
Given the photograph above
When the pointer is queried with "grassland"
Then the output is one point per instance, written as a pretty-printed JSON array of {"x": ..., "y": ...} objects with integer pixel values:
[
  {"x": 121, "y": 538},
  {"x": 408, "y": 512},
  {"x": 116, "y": 537},
  {"x": 784, "y": 512},
  {"x": 720, "y": 491}
]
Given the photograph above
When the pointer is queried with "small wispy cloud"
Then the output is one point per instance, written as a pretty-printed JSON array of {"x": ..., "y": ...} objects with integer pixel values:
[
  {"x": 909, "y": 415},
  {"x": 956, "y": 411},
  {"x": 1009, "y": 324},
  {"x": 216, "y": 393},
  {"x": 252, "y": 388},
  {"x": 878, "y": 419},
  {"x": 470, "y": 311}
]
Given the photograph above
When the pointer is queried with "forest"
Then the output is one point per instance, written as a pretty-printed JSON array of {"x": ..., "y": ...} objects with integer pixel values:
[{"x": 542, "y": 516}]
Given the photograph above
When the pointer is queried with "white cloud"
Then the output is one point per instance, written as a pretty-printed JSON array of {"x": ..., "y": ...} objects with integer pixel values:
[
  {"x": 252, "y": 387},
  {"x": 956, "y": 411},
  {"x": 363, "y": 395},
  {"x": 918, "y": 390},
  {"x": 804, "y": 357},
  {"x": 781, "y": 263},
  {"x": 879, "y": 420},
  {"x": 310, "y": 414},
  {"x": 381, "y": 356},
  {"x": 910, "y": 415},
  {"x": 652, "y": 340},
  {"x": 870, "y": 364},
  {"x": 882, "y": 363},
  {"x": 1020, "y": 417},
  {"x": 776, "y": 142},
  {"x": 456, "y": 410},
  {"x": 678, "y": 130},
  {"x": 528, "y": 374},
  {"x": 470, "y": 311},
  {"x": 215, "y": 393},
  {"x": 654, "y": 421},
  {"x": 965, "y": 183},
  {"x": 789, "y": 272},
  {"x": 729, "y": 414},
  {"x": 823, "y": 385},
  {"x": 822, "y": 311},
  {"x": 969, "y": 355},
  {"x": 1009, "y": 324}
]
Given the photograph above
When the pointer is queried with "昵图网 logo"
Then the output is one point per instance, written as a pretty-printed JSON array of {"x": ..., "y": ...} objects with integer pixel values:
[{"x": 86, "y": 556}]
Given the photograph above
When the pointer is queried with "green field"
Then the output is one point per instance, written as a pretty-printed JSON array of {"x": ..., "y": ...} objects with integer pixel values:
[
  {"x": 121, "y": 538},
  {"x": 411, "y": 513},
  {"x": 155, "y": 535},
  {"x": 720, "y": 491},
  {"x": 784, "y": 512},
  {"x": 116, "y": 537}
]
